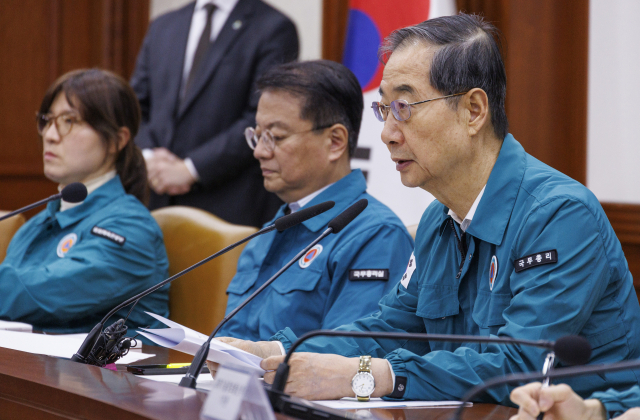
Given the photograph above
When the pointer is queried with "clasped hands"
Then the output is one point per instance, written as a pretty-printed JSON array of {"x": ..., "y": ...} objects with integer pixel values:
[
  {"x": 167, "y": 173},
  {"x": 312, "y": 376}
]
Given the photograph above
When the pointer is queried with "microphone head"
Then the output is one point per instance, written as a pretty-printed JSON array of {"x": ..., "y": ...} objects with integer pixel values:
[
  {"x": 572, "y": 350},
  {"x": 290, "y": 220},
  {"x": 344, "y": 218},
  {"x": 75, "y": 192}
]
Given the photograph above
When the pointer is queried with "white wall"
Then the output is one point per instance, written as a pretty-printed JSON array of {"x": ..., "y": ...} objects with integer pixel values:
[
  {"x": 306, "y": 14},
  {"x": 613, "y": 153}
]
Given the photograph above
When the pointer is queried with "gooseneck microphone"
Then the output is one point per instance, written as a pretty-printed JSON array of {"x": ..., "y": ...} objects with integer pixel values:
[
  {"x": 334, "y": 226},
  {"x": 571, "y": 349},
  {"x": 536, "y": 376},
  {"x": 101, "y": 348},
  {"x": 75, "y": 192}
]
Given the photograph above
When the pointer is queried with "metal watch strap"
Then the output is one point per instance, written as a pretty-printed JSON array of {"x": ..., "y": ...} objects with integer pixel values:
[{"x": 365, "y": 366}]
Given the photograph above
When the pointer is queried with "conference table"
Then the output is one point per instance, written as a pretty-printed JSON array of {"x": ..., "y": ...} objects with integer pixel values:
[{"x": 34, "y": 386}]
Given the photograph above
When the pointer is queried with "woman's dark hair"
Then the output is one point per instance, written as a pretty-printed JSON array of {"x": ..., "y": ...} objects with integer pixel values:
[
  {"x": 468, "y": 56},
  {"x": 107, "y": 103},
  {"x": 330, "y": 93}
]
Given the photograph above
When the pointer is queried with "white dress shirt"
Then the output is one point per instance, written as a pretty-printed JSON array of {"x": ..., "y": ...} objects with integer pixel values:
[
  {"x": 92, "y": 185},
  {"x": 198, "y": 22}
]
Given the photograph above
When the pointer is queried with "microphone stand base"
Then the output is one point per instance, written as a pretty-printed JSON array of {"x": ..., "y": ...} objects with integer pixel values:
[
  {"x": 188, "y": 382},
  {"x": 305, "y": 410}
]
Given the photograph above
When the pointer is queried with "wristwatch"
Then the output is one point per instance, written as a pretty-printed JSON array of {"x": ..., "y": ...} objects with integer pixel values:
[{"x": 363, "y": 382}]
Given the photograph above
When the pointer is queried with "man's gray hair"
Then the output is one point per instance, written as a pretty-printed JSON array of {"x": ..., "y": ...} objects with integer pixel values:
[{"x": 468, "y": 56}]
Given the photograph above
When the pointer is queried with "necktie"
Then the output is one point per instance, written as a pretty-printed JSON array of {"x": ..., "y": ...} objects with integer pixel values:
[{"x": 201, "y": 50}]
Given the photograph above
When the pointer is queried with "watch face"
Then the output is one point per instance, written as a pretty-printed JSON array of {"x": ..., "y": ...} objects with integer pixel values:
[{"x": 363, "y": 384}]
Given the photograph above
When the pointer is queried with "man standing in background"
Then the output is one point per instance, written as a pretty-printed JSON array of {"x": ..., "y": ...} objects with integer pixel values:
[{"x": 194, "y": 79}]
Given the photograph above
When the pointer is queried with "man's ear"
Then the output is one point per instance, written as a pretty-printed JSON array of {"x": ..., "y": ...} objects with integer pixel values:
[
  {"x": 124, "y": 137},
  {"x": 476, "y": 103},
  {"x": 339, "y": 136}
]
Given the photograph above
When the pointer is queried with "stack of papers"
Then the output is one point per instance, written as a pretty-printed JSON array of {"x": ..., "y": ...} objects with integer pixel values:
[
  {"x": 15, "y": 326},
  {"x": 186, "y": 340}
]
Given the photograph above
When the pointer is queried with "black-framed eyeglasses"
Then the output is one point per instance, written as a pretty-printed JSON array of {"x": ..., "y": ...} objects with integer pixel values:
[
  {"x": 269, "y": 139},
  {"x": 63, "y": 122},
  {"x": 400, "y": 108}
]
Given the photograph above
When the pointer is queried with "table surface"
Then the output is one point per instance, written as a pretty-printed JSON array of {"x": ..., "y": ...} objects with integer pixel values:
[{"x": 37, "y": 386}]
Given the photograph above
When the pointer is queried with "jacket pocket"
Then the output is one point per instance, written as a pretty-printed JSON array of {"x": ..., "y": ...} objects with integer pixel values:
[
  {"x": 297, "y": 279},
  {"x": 437, "y": 302},
  {"x": 243, "y": 281},
  {"x": 488, "y": 308}
]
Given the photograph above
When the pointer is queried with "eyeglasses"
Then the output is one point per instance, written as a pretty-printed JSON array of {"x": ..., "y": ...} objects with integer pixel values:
[
  {"x": 64, "y": 122},
  {"x": 269, "y": 139},
  {"x": 400, "y": 108}
]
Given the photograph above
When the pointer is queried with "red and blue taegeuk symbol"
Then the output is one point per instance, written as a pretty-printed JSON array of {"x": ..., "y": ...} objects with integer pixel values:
[
  {"x": 370, "y": 21},
  {"x": 493, "y": 271},
  {"x": 306, "y": 260}
]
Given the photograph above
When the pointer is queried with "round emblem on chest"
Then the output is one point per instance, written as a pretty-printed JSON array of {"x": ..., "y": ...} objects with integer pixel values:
[
  {"x": 65, "y": 244},
  {"x": 493, "y": 271},
  {"x": 311, "y": 255}
]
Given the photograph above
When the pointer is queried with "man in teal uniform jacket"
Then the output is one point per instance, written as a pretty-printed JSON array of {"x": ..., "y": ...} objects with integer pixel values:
[
  {"x": 307, "y": 126},
  {"x": 64, "y": 270},
  {"x": 510, "y": 247}
]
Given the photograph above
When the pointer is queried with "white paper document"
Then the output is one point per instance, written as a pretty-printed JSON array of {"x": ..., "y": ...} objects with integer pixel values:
[
  {"x": 55, "y": 345},
  {"x": 186, "y": 340},
  {"x": 15, "y": 326},
  {"x": 351, "y": 403}
]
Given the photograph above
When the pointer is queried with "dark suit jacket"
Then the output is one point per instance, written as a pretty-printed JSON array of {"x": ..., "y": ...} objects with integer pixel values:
[{"x": 208, "y": 126}]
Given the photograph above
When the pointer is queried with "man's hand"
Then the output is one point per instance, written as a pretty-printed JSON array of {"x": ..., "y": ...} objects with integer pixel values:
[
  {"x": 314, "y": 376},
  {"x": 167, "y": 173},
  {"x": 558, "y": 402},
  {"x": 261, "y": 349},
  {"x": 633, "y": 414}
]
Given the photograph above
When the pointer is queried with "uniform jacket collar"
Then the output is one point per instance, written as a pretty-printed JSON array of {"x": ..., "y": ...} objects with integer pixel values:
[
  {"x": 344, "y": 193},
  {"x": 494, "y": 210},
  {"x": 95, "y": 201}
]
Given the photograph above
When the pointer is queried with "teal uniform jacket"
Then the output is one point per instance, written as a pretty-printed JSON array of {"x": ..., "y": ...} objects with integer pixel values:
[
  {"x": 529, "y": 216},
  {"x": 617, "y": 402},
  {"x": 65, "y": 270},
  {"x": 337, "y": 285}
]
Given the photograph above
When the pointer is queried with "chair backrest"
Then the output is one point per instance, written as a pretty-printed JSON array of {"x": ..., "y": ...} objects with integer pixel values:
[
  {"x": 198, "y": 299},
  {"x": 412, "y": 231},
  {"x": 8, "y": 228}
]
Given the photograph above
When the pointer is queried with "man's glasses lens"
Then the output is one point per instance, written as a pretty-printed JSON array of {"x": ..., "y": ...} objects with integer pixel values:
[
  {"x": 253, "y": 139},
  {"x": 400, "y": 108}
]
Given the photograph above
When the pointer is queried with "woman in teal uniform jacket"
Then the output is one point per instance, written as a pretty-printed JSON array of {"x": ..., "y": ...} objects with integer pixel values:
[{"x": 71, "y": 263}]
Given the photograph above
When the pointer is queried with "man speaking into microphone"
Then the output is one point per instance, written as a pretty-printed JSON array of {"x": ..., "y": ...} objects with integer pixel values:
[
  {"x": 306, "y": 131},
  {"x": 511, "y": 247}
]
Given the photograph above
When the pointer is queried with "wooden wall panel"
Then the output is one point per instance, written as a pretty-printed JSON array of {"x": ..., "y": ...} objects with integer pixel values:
[
  {"x": 546, "y": 58},
  {"x": 39, "y": 41},
  {"x": 335, "y": 16}
]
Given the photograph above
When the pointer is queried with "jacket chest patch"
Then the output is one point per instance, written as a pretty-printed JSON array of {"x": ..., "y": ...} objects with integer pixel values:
[
  {"x": 493, "y": 271},
  {"x": 534, "y": 260},
  {"x": 107, "y": 234},
  {"x": 65, "y": 244},
  {"x": 411, "y": 267},
  {"x": 311, "y": 255},
  {"x": 369, "y": 274}
]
